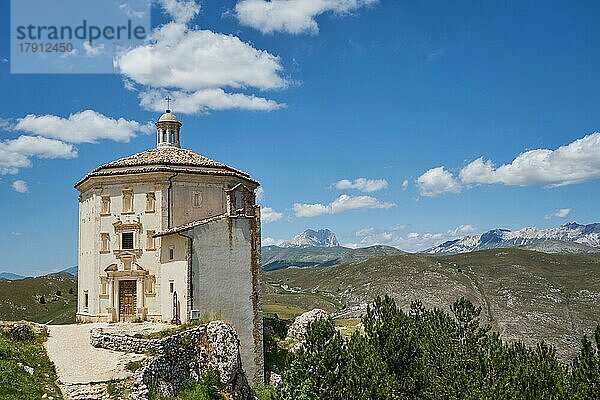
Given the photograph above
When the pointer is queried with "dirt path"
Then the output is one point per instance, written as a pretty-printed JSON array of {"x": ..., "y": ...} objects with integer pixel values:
[{"x": 77, "y": 362}]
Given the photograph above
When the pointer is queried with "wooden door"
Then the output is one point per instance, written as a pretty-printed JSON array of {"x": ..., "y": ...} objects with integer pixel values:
[{"x": 127, "y": 300}]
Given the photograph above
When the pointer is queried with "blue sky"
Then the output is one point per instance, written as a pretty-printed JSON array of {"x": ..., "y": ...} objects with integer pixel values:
[{"x": 306, "y": 94}]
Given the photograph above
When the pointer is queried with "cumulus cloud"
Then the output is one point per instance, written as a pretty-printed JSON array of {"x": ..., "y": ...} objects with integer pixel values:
[
  {"x": 180, "y": 10},
  {"x": 269, "y": 241},
  {"x": 83, "y": 127},
  {"x": 91, "y": 51},
  {"x": 437, "y": 181},
  {"x": 405, "y": 184},
  {"x": 16, "y": 153},
  {"x": 575, "y": 162},
  {"x": 362, "y": 184},
  {"x": 408, "y": 241},
  {"x": 259, "y": 193},
  {"x": 560, "y": 213},
  {"x": 341, "y": 204},
  {"x": 199, "y": 68},
  {"x": 292, "y": 16},
  {"x": 205, "y": 100},
  {"x": 267, "y": 215},
  {"x": 20, "y": 186}
]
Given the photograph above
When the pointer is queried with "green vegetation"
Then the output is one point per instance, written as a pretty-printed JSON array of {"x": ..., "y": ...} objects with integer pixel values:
[
  {"x": 133, "y": 365},
  {"x": 119, "y": 389},
  {"x": 274, "y": 258},
  {"x": 17, "y": 354},
  {"x": 208, "y": 388},
  {"x": 526, "y": 295},
  {"x": 38, "y": 299},
  {"x": 432, "y": 354}
]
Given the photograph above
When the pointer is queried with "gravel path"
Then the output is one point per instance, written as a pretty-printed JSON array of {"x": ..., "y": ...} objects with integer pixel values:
[{"x": 78, "y": 362}]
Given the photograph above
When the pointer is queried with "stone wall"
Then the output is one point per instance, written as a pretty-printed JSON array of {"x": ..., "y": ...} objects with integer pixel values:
[{"x": 191, "y": 353}]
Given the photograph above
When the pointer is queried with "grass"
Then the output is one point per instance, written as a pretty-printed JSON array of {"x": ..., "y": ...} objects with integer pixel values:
[
  {"x": 133, "y": 365},
  {"x": 265, "y": 392},
  {"x": 15, "y": 382},
  {"x": 20, "y": 300},
  {"x": 119, "y": 389},
  {"x": 171, "y": 331},
  {"x": 208, "y": 388}
]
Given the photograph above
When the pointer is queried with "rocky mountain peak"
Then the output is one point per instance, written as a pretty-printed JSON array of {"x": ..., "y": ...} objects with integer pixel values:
[{"x": 312, "y": 238}]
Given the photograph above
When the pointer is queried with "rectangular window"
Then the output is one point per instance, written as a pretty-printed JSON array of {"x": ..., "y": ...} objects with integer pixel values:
[
  {"x": 86, "y": 299},
  {"x": 197, "y": 199},
  {"x": 171, "y": 252},
  {"x": 127, "y": 240},
  {"x": 104, "y": 242},
  {"x": 149, "y": 282},
  {"x": 150, "y": 202},
  {"x": 171, "y": 286},
  {"x": 127, "y": 201},
  {"x": 105, "y": 210},
  {"x": 150, "y": 240}
]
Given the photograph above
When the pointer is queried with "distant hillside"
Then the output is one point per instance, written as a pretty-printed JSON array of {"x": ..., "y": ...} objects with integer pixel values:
[
  {"x": 310, "y": 238},
  {"x": 274, "y": 257},
  {"x": 21, "y": 299},
  {"x": 558, "y": 246},
  {"x": 585, "y": 235},
  {"x": 9, "y": 276},
  {"x": 71, "y": 271},
  {"x": 525, "y": 295}
]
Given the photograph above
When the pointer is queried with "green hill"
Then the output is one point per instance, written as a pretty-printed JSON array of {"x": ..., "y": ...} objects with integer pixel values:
[
  {"x": 22, "y": 299},
  {"x": 525, "y": 295},
  {"x": 274, "y": 257}
]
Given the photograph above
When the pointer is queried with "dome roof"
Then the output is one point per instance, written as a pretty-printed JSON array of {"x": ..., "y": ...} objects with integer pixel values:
[
  {"x": 168, "y": 116},
  {"x": 167, "y": 159}
]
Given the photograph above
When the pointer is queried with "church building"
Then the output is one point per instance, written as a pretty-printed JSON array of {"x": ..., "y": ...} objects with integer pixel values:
[{"x": 170, "y": 235}]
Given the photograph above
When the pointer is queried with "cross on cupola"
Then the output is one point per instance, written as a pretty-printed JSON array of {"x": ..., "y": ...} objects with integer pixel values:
[{"x": 168, "y": 128}]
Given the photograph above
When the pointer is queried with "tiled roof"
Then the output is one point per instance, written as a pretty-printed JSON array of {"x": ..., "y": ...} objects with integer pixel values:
[{"x": 166, "y": 159}]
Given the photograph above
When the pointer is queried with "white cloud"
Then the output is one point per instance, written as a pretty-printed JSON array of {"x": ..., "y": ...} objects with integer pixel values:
[
  {"x": 20, "y": 186},
  {"x": 181, "y": 11},
  {"x": 205, "y": 100},
  {"x": 437, "y": 181},
  {"x": 91, "y": 51},
  {"x": 83, "y": 127},
  {"x": 410, "y": 241},
  {"x": 292, "y": 16},
  {"x": 197, "y": 67},
  {"x": 405, "y": 184},
  {"x": 267, "y": 215},
  {"x": 362, "y": 184},
  {"x": 269, "y": 241},
  {"x": 259, "y": 193},
  {"x": 575, "y": 162},
  {"x": 16, "y": 153},
  {"x": 560, "y": 213},
  {"x": 341, "y": 204}
]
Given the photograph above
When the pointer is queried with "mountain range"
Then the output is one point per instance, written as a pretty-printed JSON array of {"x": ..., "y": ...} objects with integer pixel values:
[{"x": 567, "y": 238}]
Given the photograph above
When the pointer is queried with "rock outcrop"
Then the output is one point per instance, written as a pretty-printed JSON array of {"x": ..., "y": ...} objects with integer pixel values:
[
  {"x": 188, "y": 354},
  {"x": 297, "y": 330}
]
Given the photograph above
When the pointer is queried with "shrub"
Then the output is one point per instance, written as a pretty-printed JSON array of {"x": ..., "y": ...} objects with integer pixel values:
[
  {"x": 207, "y": 388},
  {"x": 432, "y": 354}
]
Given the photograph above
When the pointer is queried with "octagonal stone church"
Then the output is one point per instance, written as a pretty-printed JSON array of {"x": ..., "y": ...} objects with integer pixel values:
[{"x": 170, "y": 235}]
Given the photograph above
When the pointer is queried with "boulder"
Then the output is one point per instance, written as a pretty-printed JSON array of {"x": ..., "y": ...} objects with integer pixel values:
[{"x": 297, "y": 330}]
